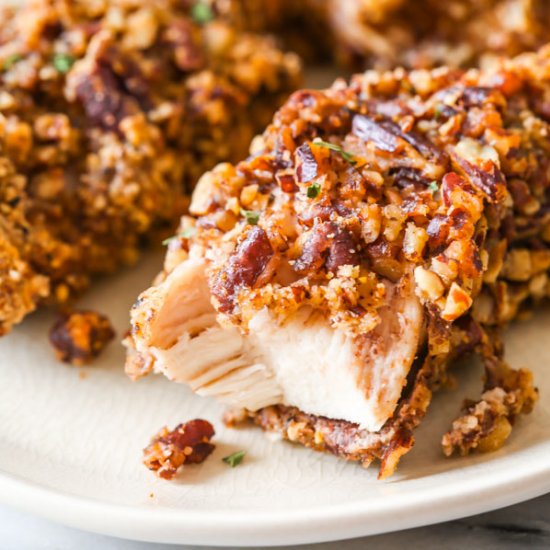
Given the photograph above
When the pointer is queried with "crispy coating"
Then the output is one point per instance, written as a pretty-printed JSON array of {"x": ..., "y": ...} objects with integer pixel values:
[
  {"x": 109, "y": 143},
  {"x": 303, "y": 27},
  {"x": 414, "y": 34},
  {"x": 187, "y": 443},
  {"x": 440, "y": 176},
  {"x": 80, "y": 336},
  {"x": 20, "y": 285},
  {"x": 109, "y": 112},
  {"x": 428, "y": 33}
]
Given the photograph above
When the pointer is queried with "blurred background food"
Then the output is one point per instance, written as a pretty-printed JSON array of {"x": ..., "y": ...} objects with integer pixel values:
[{"x": 110, "y": 110}]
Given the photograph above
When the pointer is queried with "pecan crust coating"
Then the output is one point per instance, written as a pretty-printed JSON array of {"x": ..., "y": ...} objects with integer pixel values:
[
  {"x": 109, "y": 113},
  {"x": 245, "y": 266}
]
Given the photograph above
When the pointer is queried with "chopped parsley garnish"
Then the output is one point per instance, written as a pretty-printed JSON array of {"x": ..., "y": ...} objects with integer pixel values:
[
  {"x": 11, "y": 60},
  {"x": 348, "y": 157},
  {"x": 202, "y": 13},
  {"x": 63, "y": 62},
  {"x": 313, "y": 191},
  {"x": 185, "y": 234},
  {"x": 433, "y": 187},
  {"x": 252, "y": 217},
  {"x": 234, "y": 459}
]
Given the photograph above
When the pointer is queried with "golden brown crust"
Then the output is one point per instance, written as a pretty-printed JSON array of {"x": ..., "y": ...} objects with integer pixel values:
[
  {"x": 108, "y": 114},
  {"x": 487, "y": 423},
  {"x": 397, "y": 172},
  {"x": 417, "y": 34}
]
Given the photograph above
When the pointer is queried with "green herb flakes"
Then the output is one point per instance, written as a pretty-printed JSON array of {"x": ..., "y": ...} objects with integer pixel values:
[
  {"x": 348, "y": 157},
  {"x": 11, "y": 60},
  {"x": 252, "y": 217},
  {"x": 63, "y": 62},
  {"x": 313, "y": 191},
  {"x": 433, "y": 187},
  {"x": 187, "y": 233},
  {"x": 438, "y": 110},
  {"x": 202, "y": 13},
  {"x": 234, "y": 459}
]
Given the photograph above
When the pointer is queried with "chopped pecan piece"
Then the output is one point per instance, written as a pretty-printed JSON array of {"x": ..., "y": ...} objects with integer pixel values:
[
  {"x": 327, "y": 245},
  {"x": 109, "y": 84},
  {"x": 306, "y": 166},
  {"x": 369, "y": 130},
  {"x": 184, "y": 39},
  {"x": 476, "y": 95},
  {"x": 490, "y": 179},
  {"x": 244, "y": 267}
]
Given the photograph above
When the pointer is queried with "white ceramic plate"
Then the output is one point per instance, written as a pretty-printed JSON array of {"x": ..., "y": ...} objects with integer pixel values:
[{"x": 70, "y": 450}]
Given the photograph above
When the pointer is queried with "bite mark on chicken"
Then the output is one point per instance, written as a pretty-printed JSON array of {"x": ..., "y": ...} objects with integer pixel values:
[{"x": 301, "y": 361}]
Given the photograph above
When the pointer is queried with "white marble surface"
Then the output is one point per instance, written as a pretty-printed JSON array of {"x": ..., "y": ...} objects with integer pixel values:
[{"x": 525, "y": 525}]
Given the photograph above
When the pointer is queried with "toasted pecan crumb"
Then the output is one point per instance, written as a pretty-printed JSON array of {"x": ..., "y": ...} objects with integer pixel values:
[
  {"x": 80, "y": 336},
  {"x": 187, "y": 443},
  {"x": 486, "y": 424}
]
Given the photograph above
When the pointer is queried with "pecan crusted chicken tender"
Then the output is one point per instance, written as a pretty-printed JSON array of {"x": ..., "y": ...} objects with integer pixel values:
[
  {"x": 427, "y": 33},
  {"x": 379, "y": 230},
  {"x": 109, "y": 112}
]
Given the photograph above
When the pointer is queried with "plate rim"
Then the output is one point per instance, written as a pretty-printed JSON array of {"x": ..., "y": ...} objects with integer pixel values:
[{"x": 157, "y": 524}]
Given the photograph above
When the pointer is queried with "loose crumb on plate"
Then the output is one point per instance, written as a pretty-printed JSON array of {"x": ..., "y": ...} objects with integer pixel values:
[
  {"x": 80, "y": 336},
  {"x": 187, "y": 443}
]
